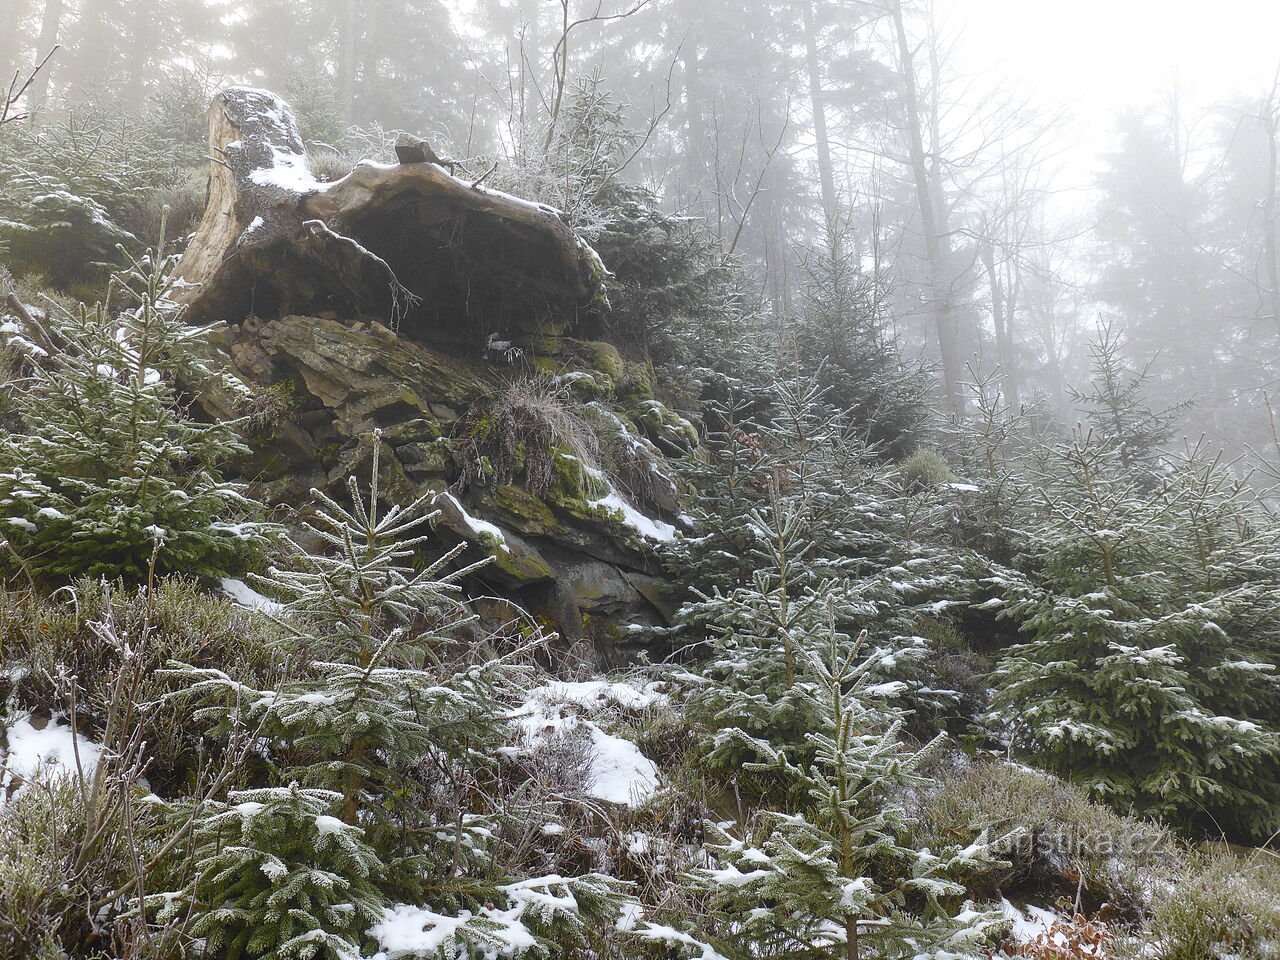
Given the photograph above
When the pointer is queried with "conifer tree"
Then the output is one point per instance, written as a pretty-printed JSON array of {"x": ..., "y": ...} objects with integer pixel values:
[
  {"x": 832, "y": 878},
  {"x": 106, "y": 459},
  {"x": 1149, "y": 674},
  {"x": 381, "y": 695},
  {"x": 839, "y": 333},
  {"x": 805, "y": 517},
  {"x": 1115, "y": 405},
  {"x": 278, "y": 877}
]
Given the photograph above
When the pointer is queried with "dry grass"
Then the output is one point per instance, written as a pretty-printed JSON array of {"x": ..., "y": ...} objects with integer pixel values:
[{"x": 520, "y": 430}]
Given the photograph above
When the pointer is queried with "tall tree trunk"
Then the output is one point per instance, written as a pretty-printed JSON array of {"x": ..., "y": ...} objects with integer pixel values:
[
  {"x": 1001, "y": 319},
  {"x": 96, "y": 45},
  {"x": 347, "y": 61},
  {"x": 145, "y": 33},
  {"x": 695, "y": 130},
  {"x": 936, "y": 291},
  {"x": 50, "y": 28},
  {"x": 825, "y": 173},
  {"x": 1269, "y": 122},
  {"x": 11, "y": 12}
]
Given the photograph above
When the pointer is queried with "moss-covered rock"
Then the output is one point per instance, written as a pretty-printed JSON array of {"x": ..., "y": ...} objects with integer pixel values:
[{"x": 669, "y": 431}]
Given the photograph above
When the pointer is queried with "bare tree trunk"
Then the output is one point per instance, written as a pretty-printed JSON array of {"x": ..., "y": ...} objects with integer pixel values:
[
  {"x": 50, "y": 27},
  {"x": 938, "y": 295},
  {"x": 825, "y": 172},
  {"x": 1001, "y": 318},
  {"x": 1269, "y": 123},
  {"x": 11, "y": 11},
  {"x": 347, "y": 61}
]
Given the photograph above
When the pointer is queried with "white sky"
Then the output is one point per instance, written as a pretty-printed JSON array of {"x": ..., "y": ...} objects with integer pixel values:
[
  {"x": 1101, "y": 51},
  {"x": 1097, "y": 56}
]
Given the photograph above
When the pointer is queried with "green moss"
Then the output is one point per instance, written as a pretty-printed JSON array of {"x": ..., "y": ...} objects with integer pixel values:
[
  {"x": 527, "y": 512},
  {"x": 525, "y": 568},
  {"x": 636, "y": 383},
  {"x": 598, "y": 355}
]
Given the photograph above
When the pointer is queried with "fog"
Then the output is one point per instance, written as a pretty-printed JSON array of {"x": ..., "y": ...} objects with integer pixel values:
[{"x": 1006, "y": 176}]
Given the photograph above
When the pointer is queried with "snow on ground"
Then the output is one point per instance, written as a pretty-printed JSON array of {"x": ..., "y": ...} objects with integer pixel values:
[
  {"x": 1032, "y": 923},
  {"x": 598, "y": 694},
  {"x": 33, "y": 752},
  {"x": 246, "y": 596},
  {"x": 620, "y": 773}
]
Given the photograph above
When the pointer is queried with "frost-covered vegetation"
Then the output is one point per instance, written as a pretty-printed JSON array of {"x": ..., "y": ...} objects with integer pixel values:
[{"x": 876, "y": 657}]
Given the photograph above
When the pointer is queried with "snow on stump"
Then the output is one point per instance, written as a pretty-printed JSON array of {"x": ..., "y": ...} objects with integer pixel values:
[{"x": 409, "y": 243}]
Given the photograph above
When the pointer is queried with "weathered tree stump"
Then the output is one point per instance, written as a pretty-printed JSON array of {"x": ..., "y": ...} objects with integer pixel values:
[{"x": 409, "y": 244}]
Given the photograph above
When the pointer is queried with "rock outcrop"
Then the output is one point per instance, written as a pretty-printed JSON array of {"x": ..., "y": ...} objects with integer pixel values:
[{"x": 401, "y": 299}]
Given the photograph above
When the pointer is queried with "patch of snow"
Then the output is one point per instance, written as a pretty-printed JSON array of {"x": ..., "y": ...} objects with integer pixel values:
[
  {"x": 596, "y": 694},
  {"x": 630, "y": 914},
  {"x": 620, "y": 773},
  {"x": 408, "y": 931},
  {"x": 646, "y": 526},
  {"x": 33, "y": 752},
  {"x": 476, "y": 525},
  {"x": 731, "y": 876},
  {"x": 327, "y": 825},
  {"x": 673, "y": 937},
  {"x": 412, "y": 931},
  {"x": 22, "y": 524},
  {"x": 288, "y": 171},
  {"x": 246, "y": 596}
]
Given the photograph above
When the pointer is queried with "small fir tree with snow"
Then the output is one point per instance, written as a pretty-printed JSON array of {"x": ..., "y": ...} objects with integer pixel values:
[
  {"x": 1150, "y": 670},
  {"x": 383, "y": 703},
  {"x": 278, "y": 877},
  {"x": 832, "y": 877},
  {"x": 105, "y": 459},
  {"x": 804, "y": 515},
  {"x": 1116, "y": 406}
]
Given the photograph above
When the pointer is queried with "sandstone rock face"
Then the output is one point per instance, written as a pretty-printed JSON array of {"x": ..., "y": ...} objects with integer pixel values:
[
  {"x": 583, "y": 561},
  {"x": 402, "y": 299}
]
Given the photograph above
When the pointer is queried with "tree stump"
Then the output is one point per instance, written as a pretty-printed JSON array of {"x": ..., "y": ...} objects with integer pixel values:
[{"x": 408, "y": 244}]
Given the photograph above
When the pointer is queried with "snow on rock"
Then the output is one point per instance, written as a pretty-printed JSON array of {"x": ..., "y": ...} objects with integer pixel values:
[
  {"x": 615, "y": 507},
  {"x": 646, "y": 526},
  {"x": 246, "y": 596},
  {"x": 478, "y": 527},
  {"x": 34, "y": 752}
]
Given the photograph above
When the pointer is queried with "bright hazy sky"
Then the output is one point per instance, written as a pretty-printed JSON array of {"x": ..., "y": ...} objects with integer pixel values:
[
  {"x": 1100, "y": 50},
  {"x": 1096, "y": 56}
]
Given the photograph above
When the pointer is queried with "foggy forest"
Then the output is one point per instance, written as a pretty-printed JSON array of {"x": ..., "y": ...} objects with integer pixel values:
[{"x": 639, "y": 480}]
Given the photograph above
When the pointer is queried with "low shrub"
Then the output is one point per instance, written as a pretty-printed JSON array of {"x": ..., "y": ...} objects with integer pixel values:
[
  {"x": 46, "y": 639},
  {"x": 1058, "y": 842},
  {"x": 1227, "y": 905}
]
